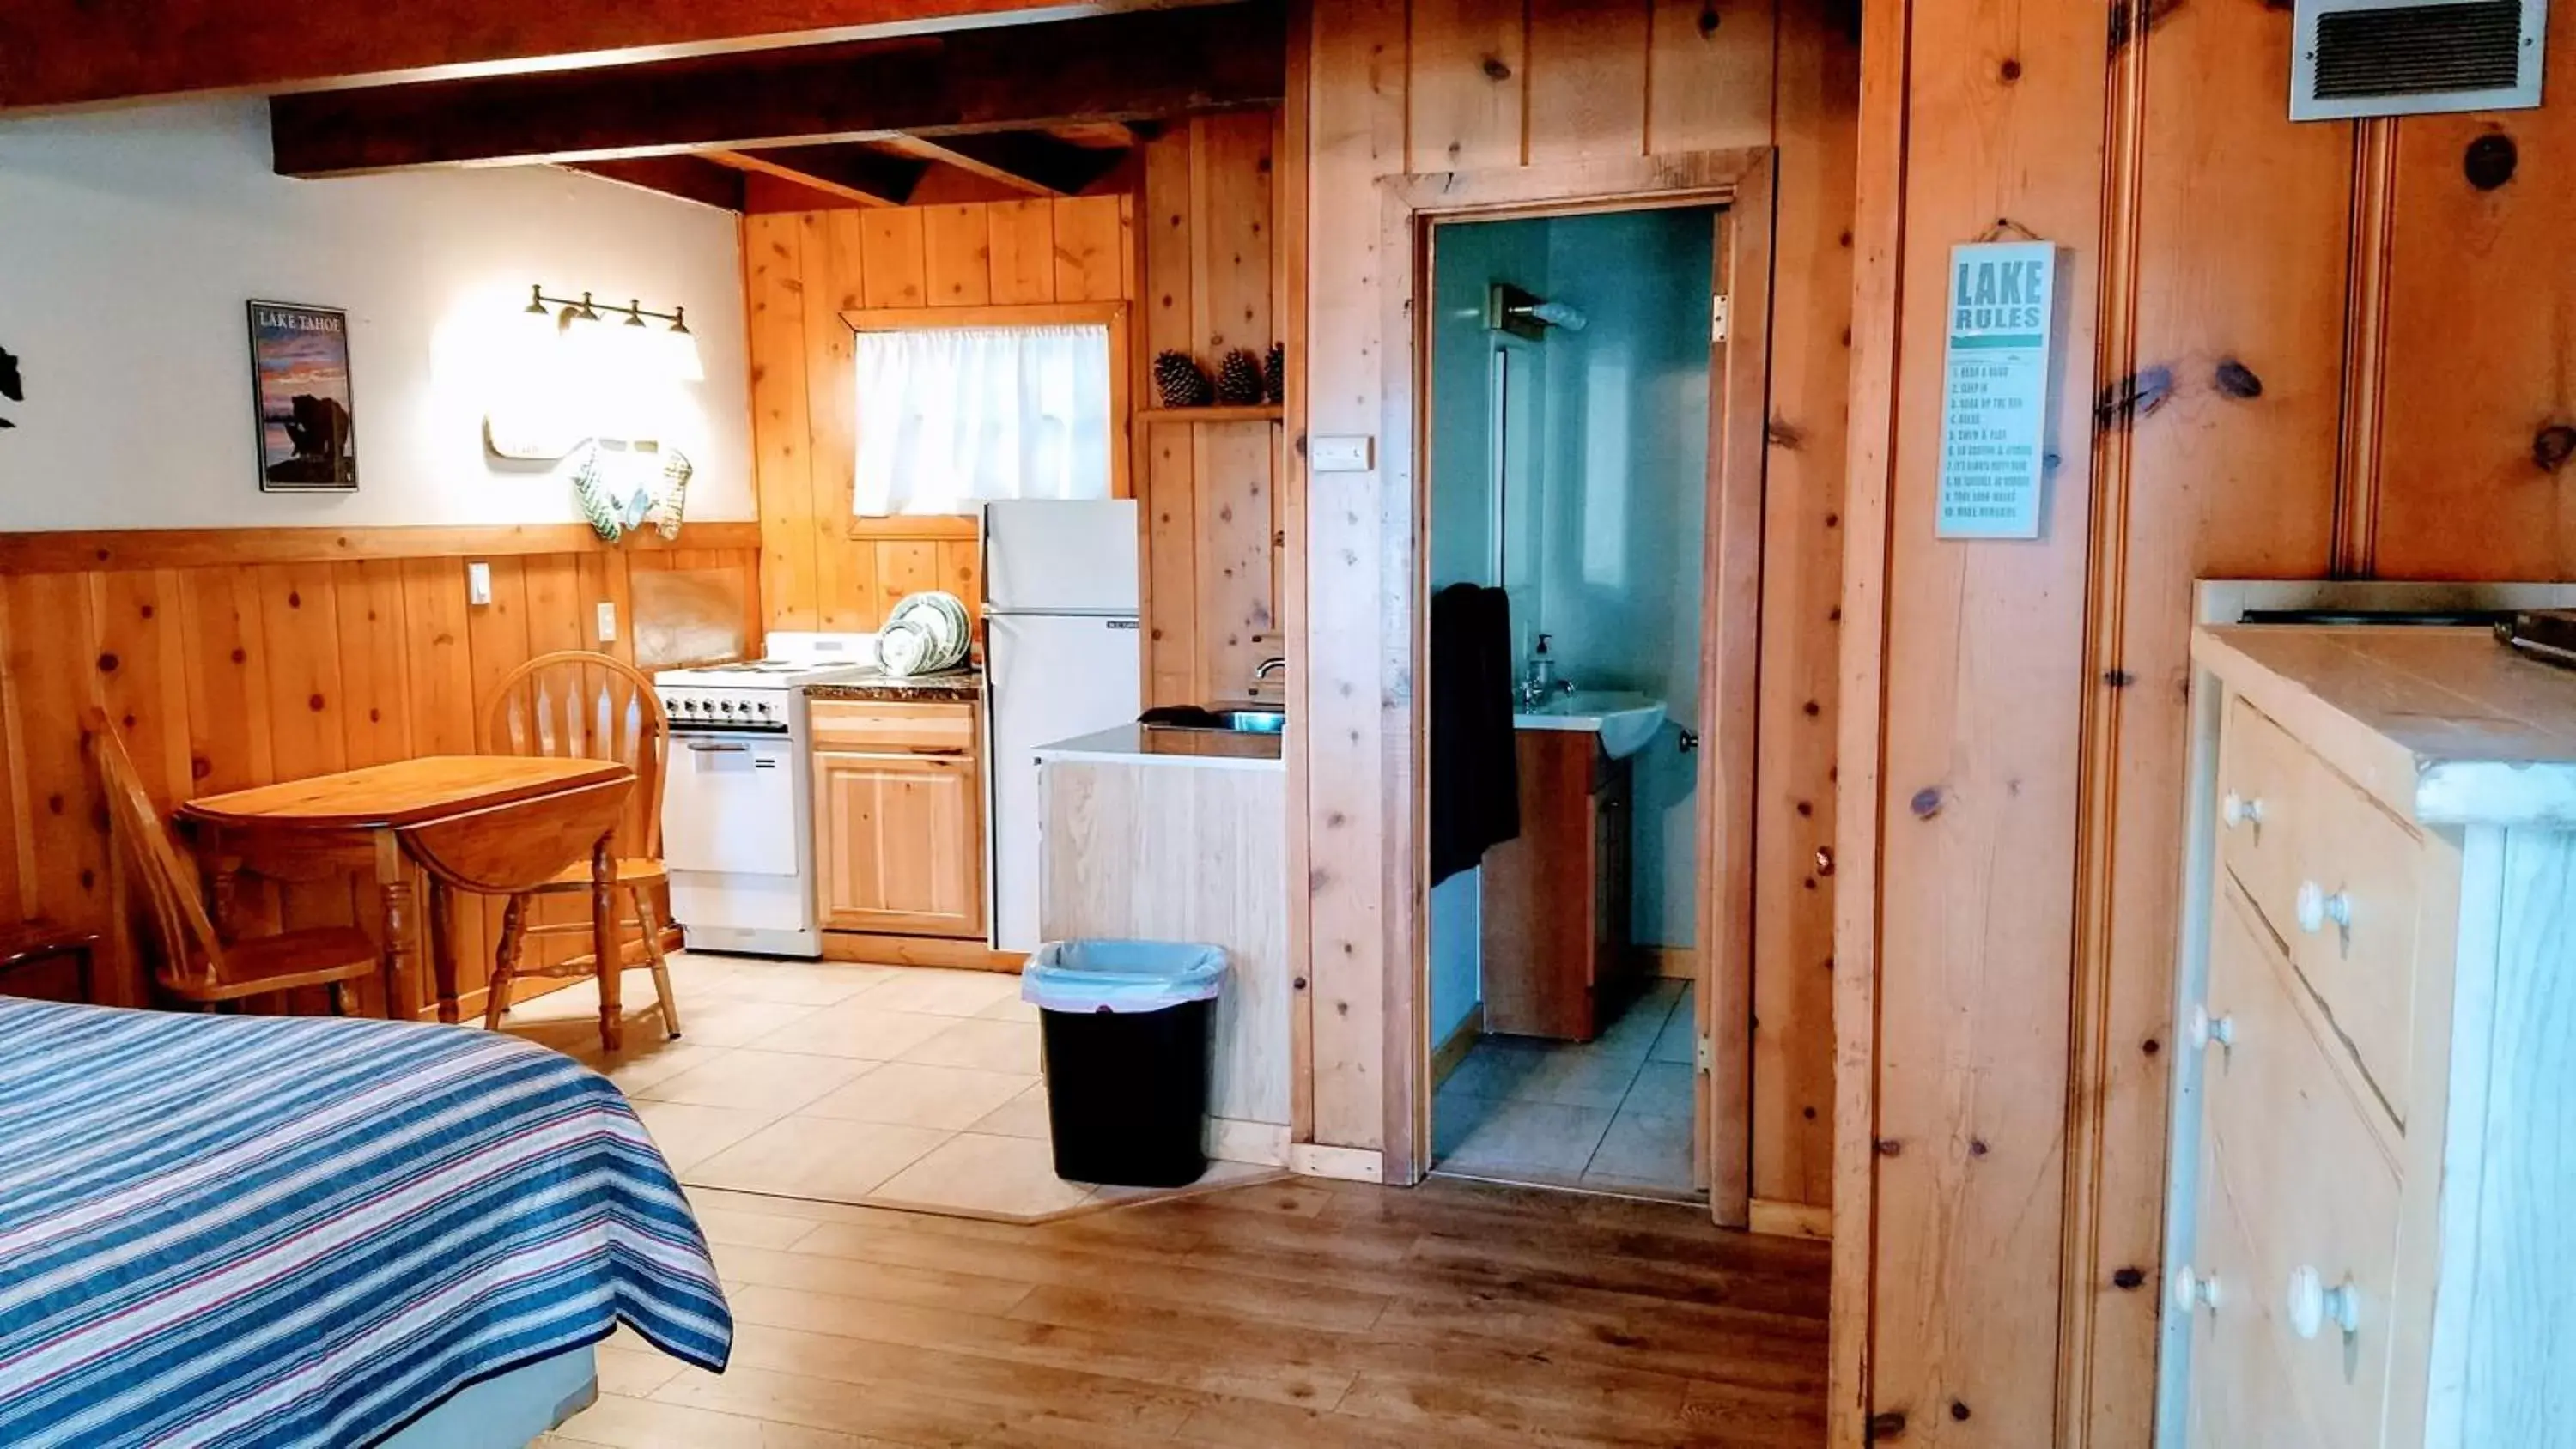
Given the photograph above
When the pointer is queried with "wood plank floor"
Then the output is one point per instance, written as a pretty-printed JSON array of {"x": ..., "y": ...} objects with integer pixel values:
[{"x": 1300, "y": 1313}]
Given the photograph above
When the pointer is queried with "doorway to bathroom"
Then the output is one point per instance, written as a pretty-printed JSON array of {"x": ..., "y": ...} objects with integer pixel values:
[
  {"x": 1567, "y": 437},
  {"x": 1588, "y": 517}
]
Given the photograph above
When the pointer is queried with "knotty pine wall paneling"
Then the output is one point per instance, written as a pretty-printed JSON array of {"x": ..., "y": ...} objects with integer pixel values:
[
  {"x": 1210, "y": 274},
  {"x": 1193, "y": 249},
  {"x": 2297, "y": 351},
  {"x": 1435, "y": 85},
  {"x": 1981, "y": 804},
  {"x": 226, "y": 676}
]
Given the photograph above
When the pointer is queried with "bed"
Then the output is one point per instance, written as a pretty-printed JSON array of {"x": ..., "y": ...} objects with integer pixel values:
[{"x": 220, "y": 1230}]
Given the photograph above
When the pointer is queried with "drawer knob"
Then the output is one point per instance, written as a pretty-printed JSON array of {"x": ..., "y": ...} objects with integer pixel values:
[
  {"x": 2313, "y": 1305},
  {"x": 2237, "y": 810},
  {"x": 2194, "y": 1290},
  {"x": 2204, "y": 1029},
  {"x": 2316, "y": 907}
]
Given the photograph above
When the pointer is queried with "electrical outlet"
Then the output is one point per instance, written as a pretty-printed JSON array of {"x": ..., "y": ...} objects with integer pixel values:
[
  {"x": 607, "y": 622},
  {"x": 478, "y": 583}
]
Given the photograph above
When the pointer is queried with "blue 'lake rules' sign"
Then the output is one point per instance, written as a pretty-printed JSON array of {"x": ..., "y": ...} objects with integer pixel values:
[{"x": 1994, "y": 402}]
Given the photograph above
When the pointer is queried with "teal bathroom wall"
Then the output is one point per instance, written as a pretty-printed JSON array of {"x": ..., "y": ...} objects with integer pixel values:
[
  {"x": 1604, "y": 467},
  {"x": 1626, "y": 439},
  {"x": 1466, "y": 259}
]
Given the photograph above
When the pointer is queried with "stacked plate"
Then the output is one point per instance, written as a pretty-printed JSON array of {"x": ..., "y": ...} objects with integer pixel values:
[{"x": 928, "y": 633}]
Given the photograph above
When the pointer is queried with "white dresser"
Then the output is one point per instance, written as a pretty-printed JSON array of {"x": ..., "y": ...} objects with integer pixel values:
[{"x": 2372, "y": 1236}]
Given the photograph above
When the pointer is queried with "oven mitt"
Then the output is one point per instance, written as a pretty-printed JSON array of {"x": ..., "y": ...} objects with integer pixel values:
[
  {"x": 612, "y": 510},
  {"x": 665, "y": 516}
]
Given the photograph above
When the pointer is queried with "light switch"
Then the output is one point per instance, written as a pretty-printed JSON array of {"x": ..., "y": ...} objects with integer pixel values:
[
  {"x": 478, "y": 583},
  {"x": 607, "y": 622},
  {"x": 1351, "y": 453}
]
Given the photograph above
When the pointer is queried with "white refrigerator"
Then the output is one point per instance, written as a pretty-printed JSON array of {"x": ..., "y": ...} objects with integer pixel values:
[{"x": 1064, "y": 655}]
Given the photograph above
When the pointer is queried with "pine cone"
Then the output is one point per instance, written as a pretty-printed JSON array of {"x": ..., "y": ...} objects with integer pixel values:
[
  {"x": 1238, "y": 381},
  {"x": 1274, "y": 375},
  {"x": 1180, "y": 381}
]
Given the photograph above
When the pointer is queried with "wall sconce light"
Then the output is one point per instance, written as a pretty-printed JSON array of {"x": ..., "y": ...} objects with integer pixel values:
[
  {"x": 587, "y": 310},
  {"x": 575, "y": 376},
  {"x": 675, "y": 347}
]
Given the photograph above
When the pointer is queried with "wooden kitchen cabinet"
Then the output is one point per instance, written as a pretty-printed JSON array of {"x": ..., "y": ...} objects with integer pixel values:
[
  {"x": 1556, "y": 899},
  {"x": 898, "y": 818}
]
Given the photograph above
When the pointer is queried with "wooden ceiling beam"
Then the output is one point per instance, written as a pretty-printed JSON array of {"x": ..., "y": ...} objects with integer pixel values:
[
  {"x": 1030, "y": 161},
  {"x": 686, "y": 177},
  {"x": 853, "y": 173},
  {"x": 1107, "y": 133},
  {"x": 1106, "y": 68},
  {"x": 62, "y": 53}
]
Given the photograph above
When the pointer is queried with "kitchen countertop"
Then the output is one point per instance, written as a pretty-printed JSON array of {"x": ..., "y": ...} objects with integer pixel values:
[
  {"x": 960, "y": 686},
  {"x": 1132, "y": 744}
]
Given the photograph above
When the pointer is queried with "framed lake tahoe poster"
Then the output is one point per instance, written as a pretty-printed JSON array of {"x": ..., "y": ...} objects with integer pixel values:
[{"x": 299, "y": 360}]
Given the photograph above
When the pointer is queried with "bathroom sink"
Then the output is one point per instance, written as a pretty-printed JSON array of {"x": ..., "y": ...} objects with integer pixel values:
[{"x": 1624, "y": 721}]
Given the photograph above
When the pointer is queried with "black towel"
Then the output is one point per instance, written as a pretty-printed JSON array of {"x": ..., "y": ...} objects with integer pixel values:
[{"x": 1475, "y": 762}]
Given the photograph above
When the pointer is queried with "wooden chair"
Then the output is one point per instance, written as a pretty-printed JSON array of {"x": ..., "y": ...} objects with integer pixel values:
[
  {"x": 198, "y": 965},
  {"x": 580, "y": 705}
]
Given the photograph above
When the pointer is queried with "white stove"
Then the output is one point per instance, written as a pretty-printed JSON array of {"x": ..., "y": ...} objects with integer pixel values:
[{"x": 737, "y": 831}]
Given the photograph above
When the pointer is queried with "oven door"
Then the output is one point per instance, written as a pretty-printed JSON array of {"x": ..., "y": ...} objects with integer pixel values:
[{"x": 730, "y": 804}]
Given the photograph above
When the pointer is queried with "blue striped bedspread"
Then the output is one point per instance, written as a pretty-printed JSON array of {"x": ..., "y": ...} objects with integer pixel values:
[{"x": 225, "y": 1230}]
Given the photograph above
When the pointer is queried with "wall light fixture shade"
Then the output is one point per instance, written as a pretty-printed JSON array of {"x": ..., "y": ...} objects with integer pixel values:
[{"x": 679, "y": 354}]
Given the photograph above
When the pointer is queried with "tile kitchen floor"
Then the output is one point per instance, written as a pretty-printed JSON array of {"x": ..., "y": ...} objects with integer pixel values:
[
  {"x": 881, "y": 1086},
  {"x": 1613, "y": 1114}
]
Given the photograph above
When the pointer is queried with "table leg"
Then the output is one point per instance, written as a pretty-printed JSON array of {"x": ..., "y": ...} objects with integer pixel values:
[
  {"x": 442, "y": 947},
  {"x": 394, "y": 898},
  {"x": 608, "y": 962}
]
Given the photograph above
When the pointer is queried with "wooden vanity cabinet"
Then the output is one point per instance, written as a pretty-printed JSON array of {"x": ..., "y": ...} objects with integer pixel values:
[
  {"x": 898, "y": 818},
  {"x": 1556, "y": 899}
]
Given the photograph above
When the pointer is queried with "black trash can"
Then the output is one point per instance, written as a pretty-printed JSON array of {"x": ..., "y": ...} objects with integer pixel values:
[{"x": 1125, "y": 1031}]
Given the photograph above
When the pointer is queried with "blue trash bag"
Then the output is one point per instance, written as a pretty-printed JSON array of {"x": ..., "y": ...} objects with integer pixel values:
[{"x": 1124, "y": 977}]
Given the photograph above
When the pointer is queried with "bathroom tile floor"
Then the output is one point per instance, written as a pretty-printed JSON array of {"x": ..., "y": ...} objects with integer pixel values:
[
  {"x": 1613, "y": 1114},
  {"x": 880, "y": 1086}
]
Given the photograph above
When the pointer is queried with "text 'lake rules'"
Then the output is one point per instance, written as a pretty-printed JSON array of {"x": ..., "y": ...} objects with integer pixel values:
[{"x": 1994, "y": 399}]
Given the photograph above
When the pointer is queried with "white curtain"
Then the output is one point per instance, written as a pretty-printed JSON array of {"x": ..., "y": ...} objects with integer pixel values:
[{"x": 949, "y": 417}]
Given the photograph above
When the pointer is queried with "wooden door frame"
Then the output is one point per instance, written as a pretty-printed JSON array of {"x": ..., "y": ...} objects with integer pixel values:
[{"x": 1741, "y": 182}]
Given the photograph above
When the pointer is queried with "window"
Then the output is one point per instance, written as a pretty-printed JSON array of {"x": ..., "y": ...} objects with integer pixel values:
[{"x": 949, "y": 417}]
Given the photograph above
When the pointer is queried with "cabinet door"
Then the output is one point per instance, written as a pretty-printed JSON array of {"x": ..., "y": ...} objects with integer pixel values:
[
  {"x": 1613, "y": 809},
  {"x": 899, "y": 843},
  {"x": 1540, "y": 896}
]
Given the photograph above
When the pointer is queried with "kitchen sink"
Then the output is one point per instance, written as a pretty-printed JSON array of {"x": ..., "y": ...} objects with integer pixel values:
[{"x": 1241, "y": 719}]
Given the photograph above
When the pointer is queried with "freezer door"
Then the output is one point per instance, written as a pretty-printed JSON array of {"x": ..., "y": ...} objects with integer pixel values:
[
  {"x": 1046, "y": 556},
  {"x": 1047, "y": 677}
]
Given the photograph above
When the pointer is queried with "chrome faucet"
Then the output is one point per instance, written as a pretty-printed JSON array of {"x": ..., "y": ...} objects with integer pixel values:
[{"x": 1269, "y": 667}]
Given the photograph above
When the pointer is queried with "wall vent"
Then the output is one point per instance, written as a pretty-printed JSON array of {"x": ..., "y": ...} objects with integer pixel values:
[{"x": 2413, "y": 57}]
